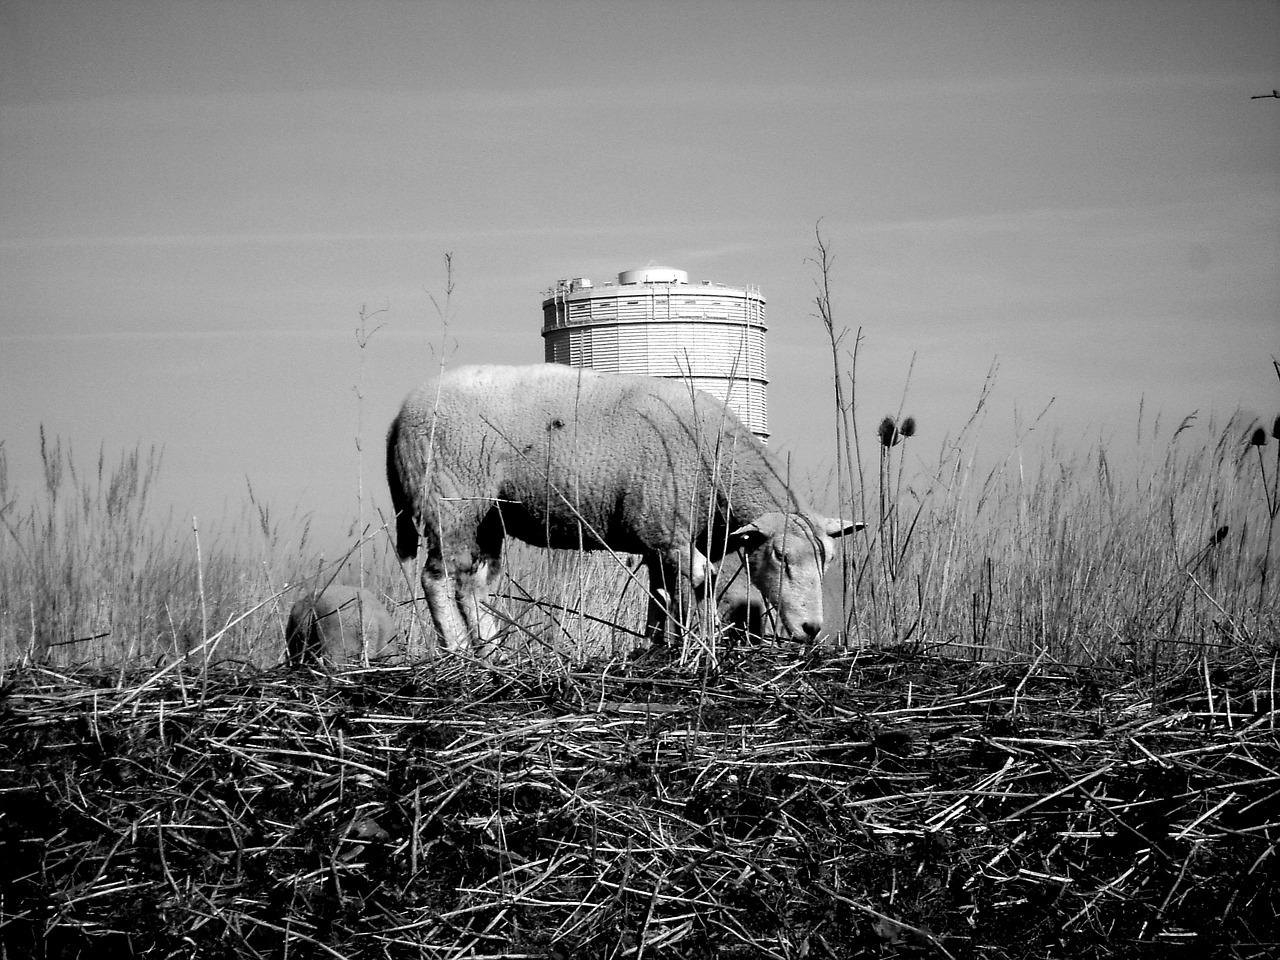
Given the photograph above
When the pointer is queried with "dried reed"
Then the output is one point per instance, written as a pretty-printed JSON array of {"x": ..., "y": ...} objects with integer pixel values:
[{"x": 871, "y": 804}]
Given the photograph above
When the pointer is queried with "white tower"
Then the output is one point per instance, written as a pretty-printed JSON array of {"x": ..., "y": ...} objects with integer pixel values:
[{"x": 654, "y": 321}]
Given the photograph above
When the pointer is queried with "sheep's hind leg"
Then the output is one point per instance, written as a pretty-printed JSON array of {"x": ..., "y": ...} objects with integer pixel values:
[
  {"x": 473, "y": 594},
  {"x": 477, "y": 581},
  {"x": 665, "y": 617},
  {"x": 442, "y": 601}
]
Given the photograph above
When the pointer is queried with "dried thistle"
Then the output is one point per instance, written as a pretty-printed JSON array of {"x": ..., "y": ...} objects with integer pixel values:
[
  {"x": 1259, "y": 438},
  {"x": 908, "y": 428}
]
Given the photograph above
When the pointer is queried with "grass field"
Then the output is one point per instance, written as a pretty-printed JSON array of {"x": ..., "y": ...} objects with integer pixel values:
[
  {"x": 1041, "y": 723},
  {"x": 1158, "y": 555}
]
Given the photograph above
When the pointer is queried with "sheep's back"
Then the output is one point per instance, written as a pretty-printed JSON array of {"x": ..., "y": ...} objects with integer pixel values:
[{"x": 632, "y": 457}]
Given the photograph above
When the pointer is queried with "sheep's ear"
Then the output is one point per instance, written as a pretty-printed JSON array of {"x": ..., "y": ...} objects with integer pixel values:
[
  {"x": 746, "y": 537},
  {"x": 836, "y": 527}
]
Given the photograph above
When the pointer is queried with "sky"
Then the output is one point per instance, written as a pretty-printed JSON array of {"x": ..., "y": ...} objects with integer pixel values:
[{"x": 198, "y": 200}]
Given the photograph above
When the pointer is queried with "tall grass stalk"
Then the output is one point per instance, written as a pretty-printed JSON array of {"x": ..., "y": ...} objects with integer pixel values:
[
  {"x": 421, "y": 633},
  {"x": 847, "y": 462},
  {"x": 1271, "y": 491},
  {"x": 364, "y": 333}
]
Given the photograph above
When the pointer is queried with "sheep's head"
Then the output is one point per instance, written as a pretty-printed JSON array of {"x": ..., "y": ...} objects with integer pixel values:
[{"x": 787, "y": 554}]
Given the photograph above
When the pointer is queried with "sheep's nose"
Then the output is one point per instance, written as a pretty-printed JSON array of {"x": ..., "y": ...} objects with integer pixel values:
[{"x": 810, "y": 629}]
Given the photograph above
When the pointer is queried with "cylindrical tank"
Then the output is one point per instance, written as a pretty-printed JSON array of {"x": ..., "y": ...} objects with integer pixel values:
[
  {"x": 652, "y": 274},
  {"x": 654, "y": 322}
]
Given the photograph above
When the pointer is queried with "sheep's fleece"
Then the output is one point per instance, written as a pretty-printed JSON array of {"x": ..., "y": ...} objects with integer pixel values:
[
  {"x": 562, "y": 457},
  {"x": 327, "y": 627}
]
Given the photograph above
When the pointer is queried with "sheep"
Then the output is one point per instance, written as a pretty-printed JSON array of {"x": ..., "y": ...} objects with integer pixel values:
[
  {"x": 327, "y": 626},
  {"x": 739, "y": 604},
  {"x": 567, "y": 458}
]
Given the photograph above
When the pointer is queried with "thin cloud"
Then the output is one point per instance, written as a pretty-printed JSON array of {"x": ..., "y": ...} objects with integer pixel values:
[
  {"x": 272, "y": 239},
  {"x": 1157, "y": 216}
]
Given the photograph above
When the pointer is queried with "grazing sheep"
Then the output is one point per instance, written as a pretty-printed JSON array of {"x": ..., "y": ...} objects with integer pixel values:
[
  {"x": 328, "y": 626},
  {"x": 567, "y": 458}
]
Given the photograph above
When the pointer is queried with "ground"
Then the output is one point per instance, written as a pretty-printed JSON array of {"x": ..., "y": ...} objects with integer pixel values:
[{"x": 784, "y": 804}]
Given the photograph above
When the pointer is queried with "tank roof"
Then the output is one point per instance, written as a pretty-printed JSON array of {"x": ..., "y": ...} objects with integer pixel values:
[{"x": 653, "y": 274}]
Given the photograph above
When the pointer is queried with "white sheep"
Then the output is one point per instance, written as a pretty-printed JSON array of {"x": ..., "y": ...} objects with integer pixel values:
[
  {"x": 567, "y": 458},
  {"x": 327, "y": 626}
]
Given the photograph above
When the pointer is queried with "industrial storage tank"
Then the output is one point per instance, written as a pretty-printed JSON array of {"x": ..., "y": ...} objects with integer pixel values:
[{"x": 653, "y": 321}]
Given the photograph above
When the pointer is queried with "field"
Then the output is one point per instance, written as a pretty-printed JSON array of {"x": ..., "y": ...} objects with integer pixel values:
[
  {"x": 1042, "y": 723},
  {"x": 868, "y": 804}
]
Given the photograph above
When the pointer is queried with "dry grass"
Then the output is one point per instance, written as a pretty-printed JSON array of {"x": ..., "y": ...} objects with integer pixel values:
[
  {"x": 1143, "y": 566},
  {"x": 1148, "y": 562},
  {"x": 1141, "y": 554},
  {"x": 870, "y": 804}
]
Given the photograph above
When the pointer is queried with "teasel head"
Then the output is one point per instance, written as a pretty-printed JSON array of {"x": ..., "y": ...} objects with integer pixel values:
[
  {"x": 892, "y": 433},
  {"x": 1258, "y": 438},
  {"x": 889, "y": 433},
  {"x": 1219, "y": 535},
  {"x": 1275, "y": 428}
]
